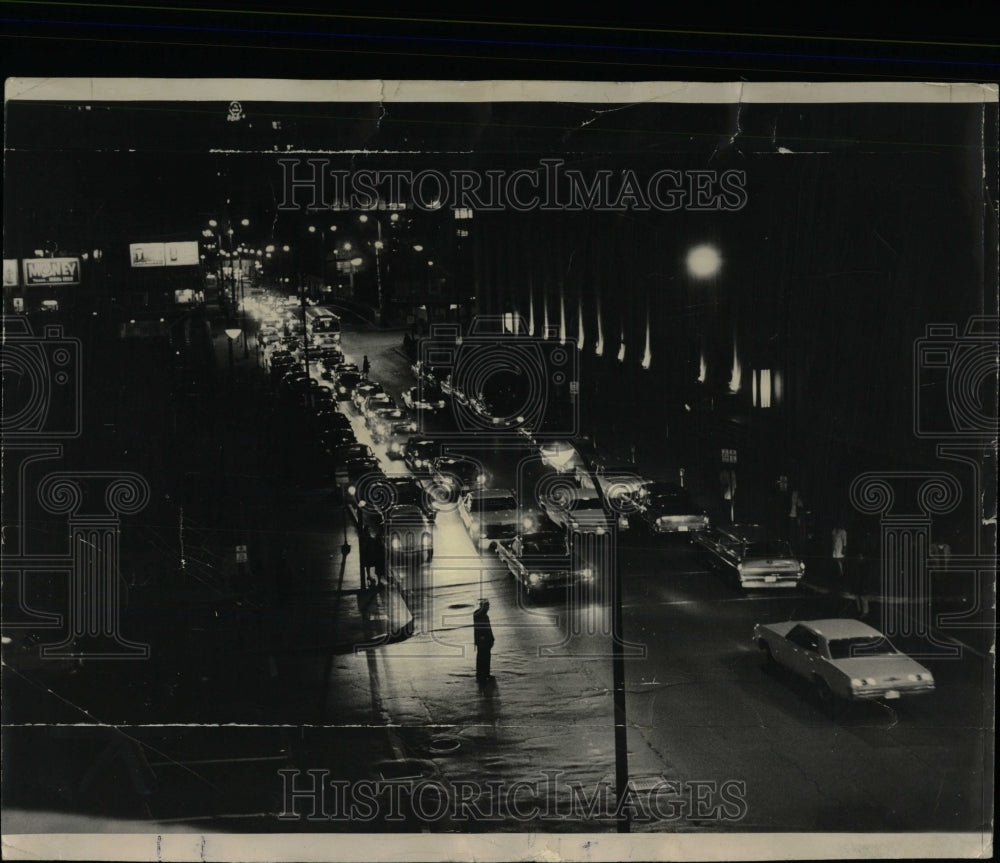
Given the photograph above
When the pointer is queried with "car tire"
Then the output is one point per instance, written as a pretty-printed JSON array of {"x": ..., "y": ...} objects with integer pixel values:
[
  {"x": 767, "y": 658},
  {"x": 826, "y": 696}
]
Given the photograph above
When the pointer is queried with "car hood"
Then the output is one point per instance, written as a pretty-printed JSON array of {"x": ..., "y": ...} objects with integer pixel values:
[{"x": 589, "y": 517}]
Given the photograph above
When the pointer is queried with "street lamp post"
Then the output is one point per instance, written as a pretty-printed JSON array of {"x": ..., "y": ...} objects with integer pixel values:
[
  {"x": 232, "y": 333},
  {"x": 378, "y": 271},
  {"x": 243, "y": 315}
]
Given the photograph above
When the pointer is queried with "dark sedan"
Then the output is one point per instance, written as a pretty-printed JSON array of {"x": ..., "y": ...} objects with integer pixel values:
[
  {"x": 665, "y": 507},
  {"x": 346, "y": 382},
  {"x": 419, "y": 452}
]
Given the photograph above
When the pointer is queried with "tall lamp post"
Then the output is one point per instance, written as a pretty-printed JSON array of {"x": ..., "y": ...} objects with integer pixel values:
[{"x": 232, "y": 333}]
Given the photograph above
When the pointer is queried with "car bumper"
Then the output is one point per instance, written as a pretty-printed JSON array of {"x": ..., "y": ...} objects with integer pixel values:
[
  {"x": 677, "y": 528},
  {"x": 891, "y": 691},
  {"x": 770, "y": 580}
]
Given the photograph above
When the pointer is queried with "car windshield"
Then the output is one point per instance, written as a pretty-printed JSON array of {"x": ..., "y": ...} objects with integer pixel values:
[
  {"x": 553, "y": 545},
  {"x": 588, "y": 503},
  {"x": 672, "y": 504},
  {"x": 769, "y": 548},
  {"x": 359, "y": 451},
  {"x": 495, "y": 504},
  {"x": 408, "y": 492},
  {"x": 847, "y": 648}
]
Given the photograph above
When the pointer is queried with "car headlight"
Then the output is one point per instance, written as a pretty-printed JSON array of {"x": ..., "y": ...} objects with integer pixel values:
[
  {"x": 535, "y": 578},
  {"x": 341, "y": 389},
  {"x": 418, "y": 462},
  {"x": 481, "y": 478},
  {"x": 425, "y": 540},
  {"x": 586, "y": 574},
  {"x": 858, "y": 682},
  {"x": 351, "y": 489},
  {"x": 528, "y": 523},
  {"x": 394, "y": 446},
  {"x": 802, "y": 566},
  {"x": 395, "y": 542},
  {"x": 412, "y": 427},
  {"x": 739, "y": 568}
]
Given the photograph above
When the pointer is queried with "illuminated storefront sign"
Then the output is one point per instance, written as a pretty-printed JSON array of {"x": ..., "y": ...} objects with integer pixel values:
[
  {"x": 49, "y": 271},
  {"x": 10, "y": 279},
  {"x": 184, "y": 254}
]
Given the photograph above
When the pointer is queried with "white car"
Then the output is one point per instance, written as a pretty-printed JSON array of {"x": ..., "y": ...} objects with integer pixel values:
[
  {"x": 560, "y": 455},
  {"x": 844, "y": 659}
]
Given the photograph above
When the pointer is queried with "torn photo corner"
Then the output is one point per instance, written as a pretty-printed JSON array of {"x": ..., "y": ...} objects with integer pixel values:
[{"x": 498, "y": 470}]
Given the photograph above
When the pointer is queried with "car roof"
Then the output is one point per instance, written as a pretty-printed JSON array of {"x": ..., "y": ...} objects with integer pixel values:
[
  {"x": 842, "y": 627},
  {"x": 407, "y": 509},
  {"x": 492, "y": 492},
  {"x": 660, "y": 486}
]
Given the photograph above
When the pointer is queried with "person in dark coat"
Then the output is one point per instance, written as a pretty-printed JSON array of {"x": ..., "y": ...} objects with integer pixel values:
[
  {"x": 483, "y": 638},
  {"x": 366, "y": 367}
]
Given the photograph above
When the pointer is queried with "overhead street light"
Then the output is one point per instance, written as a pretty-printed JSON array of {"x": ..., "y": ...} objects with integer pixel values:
[{"x": 704, "y": 261}]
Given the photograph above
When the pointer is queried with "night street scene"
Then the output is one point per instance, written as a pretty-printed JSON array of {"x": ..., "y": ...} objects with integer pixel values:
[{"x": 421, "y": 465}]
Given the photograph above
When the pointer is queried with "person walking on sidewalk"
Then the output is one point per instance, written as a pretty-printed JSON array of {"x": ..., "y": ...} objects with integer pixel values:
[
  {"x": 861, "y": 570},
  {"x": 483, "y": 638},
  {"x": 839, "y": 549},
  {"x": 366, "y": 367}
]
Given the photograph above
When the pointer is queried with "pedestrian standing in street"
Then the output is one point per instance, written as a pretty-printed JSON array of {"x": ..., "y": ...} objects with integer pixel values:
[
  {"x": 367, "y": 544},
  {"x": 861, "y": 570},
  {"x": 483, "y": 638},
  {"x": 378, "y": 559},
  {"x": 366, "y": 367},
  {"x": 839, "y": 549}
]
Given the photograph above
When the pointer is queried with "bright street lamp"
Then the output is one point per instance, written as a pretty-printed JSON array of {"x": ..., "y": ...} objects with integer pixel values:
[{"x": 704, "y": 261}]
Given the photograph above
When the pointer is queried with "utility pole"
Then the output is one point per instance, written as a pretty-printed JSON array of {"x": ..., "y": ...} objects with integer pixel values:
[{"x": 624, "y": 816}]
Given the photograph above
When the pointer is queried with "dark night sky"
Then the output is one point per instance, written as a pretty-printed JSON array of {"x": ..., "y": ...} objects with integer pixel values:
[{"x": 872, "y": 225}]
